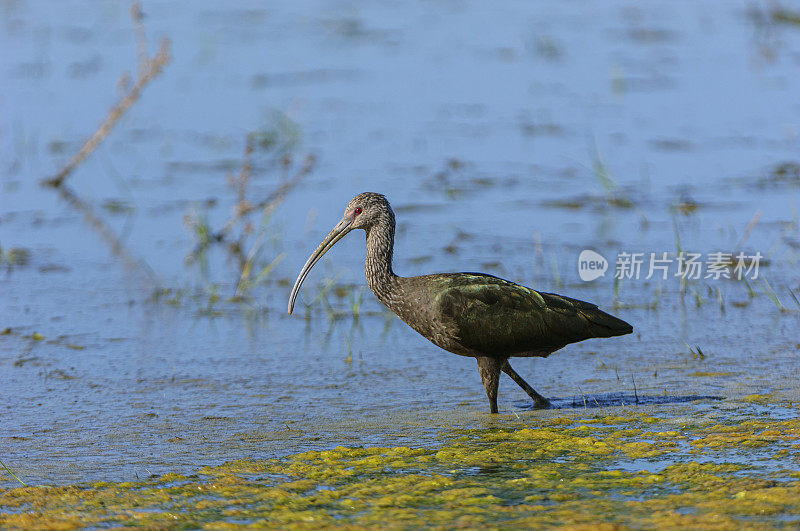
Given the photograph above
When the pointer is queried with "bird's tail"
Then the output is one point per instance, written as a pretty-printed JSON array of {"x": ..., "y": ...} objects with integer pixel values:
[
  {"x": 598, "y": 322},
  {"x": 602, "y": 324}
]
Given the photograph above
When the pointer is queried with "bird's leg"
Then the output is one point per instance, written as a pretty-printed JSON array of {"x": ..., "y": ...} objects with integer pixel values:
[
  {"x": 490, "y": 375},
  {"x": 539, "y": 402}
]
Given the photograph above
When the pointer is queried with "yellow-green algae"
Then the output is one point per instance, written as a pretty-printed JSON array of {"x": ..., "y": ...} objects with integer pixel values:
[{"x": 634, "y": 470}]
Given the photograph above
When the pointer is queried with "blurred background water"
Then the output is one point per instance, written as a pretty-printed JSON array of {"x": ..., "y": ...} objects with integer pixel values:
[{"x": 507, "y": 137}]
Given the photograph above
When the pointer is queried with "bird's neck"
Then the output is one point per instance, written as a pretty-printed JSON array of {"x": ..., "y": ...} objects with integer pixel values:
[{"x": 378, "y": 267}]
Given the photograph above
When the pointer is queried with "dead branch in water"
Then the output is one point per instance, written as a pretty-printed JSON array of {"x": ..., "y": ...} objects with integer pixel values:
[
  {"x": 244, "y": 208},
  {"x": 270, "y": 203},
  {"x": 148, "y": 69}
]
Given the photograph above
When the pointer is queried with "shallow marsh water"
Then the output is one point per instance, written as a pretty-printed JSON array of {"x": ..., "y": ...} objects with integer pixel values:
[{"x": 490, "y": 130}]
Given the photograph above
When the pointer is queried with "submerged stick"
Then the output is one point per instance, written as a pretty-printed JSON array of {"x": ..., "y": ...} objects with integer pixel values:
[{"x": 108, "y": 235}]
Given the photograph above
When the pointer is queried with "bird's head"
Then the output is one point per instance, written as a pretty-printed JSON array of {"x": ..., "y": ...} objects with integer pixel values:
[
  {"x": 368, "y": 209},
  {"x": 363, "y": 212}
]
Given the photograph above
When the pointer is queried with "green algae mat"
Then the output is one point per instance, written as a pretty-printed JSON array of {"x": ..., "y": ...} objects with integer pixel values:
[{"x": 732, "y": 465}]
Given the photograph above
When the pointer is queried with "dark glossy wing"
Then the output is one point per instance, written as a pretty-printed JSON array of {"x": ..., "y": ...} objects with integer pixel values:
[{"x": 495, "y": 316}]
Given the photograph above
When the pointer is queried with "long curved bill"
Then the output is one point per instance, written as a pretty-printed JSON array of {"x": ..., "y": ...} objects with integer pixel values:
[{"x": 338, "y": 232}]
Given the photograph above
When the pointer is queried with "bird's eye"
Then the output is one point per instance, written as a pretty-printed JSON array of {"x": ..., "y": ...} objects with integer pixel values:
[{"x": 357, "y": 211}]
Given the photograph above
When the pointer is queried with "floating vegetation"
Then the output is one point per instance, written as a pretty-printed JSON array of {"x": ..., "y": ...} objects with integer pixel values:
[
  {"x": 672, "y": 144},
  {"x": 781, "y": 174},
  {"x": 582, "y": 202},
  {"x": 783, "y": 15},
  {"x": 612, "y": 196},
  {"x": 548, "y": 47},
  {"x": 459, "y": 178},
  {"x": 117, "y": 206},
  {"x": 629, "y": 469},
  {"x": 283, "y": 136},
  {"x": 685, "y": 206},
  {"x": 14, "y": 257}
]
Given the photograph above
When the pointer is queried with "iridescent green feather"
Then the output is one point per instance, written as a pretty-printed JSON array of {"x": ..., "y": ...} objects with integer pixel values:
[{"x": 495, "y": 316}]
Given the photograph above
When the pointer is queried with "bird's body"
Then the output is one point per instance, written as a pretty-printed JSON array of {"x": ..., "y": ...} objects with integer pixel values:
[
  {"x": 474, "y": 314},
  {"x": 470, "y": 314}
]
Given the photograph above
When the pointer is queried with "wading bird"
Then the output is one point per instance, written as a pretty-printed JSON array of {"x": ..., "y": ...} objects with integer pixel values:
[{"x": 470, "y": 314}]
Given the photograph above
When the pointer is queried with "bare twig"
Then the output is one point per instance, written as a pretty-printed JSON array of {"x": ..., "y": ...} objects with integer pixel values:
[
  {"x": 274, "y": 199},
  {"x": 141, "y": 38},
  {"x": 148, "y": 69},
  {"x": 270, "y": 203}
]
